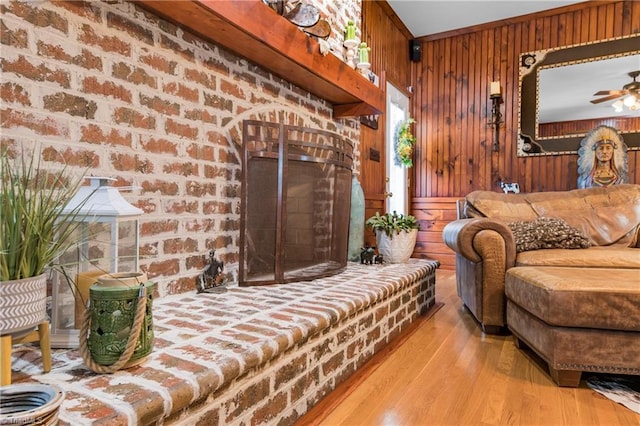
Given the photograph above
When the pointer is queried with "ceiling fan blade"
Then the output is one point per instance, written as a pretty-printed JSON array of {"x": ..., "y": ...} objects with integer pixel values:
[
  {"x": 606, "y": 98},
  {"x": 610, "y": 92}
]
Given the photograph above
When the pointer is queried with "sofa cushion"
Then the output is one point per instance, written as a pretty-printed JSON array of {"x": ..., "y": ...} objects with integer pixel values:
[
  {"x": 506, "y": 207},
  {"x": 607, "y": 215},
  {"x": 547, "y": 233},
  {"x": 601, "y": 298},
  {"x": 593, "y": 257}
]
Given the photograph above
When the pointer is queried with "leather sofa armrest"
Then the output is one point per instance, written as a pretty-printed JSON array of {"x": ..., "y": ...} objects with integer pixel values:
[
  {"x": 485, "y": 249},
  {"x": 460, "y": 236},
  {"x": 636, "y": 238}
]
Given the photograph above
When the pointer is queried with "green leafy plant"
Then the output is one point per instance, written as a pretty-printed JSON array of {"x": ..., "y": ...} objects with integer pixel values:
[
  {"x": 34, "y": 231},
  {"x": 392, "y": 223},
  {"x": 404, "y": 142}
]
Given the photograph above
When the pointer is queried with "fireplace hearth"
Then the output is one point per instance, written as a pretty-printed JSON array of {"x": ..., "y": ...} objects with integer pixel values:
[{"x": 296, "y": 192}]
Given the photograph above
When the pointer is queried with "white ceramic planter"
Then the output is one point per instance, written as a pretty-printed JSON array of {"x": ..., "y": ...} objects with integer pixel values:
[
  {"x": 23, "y": 304},
  {"x": 397, "y": 249}
]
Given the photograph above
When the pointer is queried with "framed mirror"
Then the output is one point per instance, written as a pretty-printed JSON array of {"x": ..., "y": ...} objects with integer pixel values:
[{"x": 557, "y": 87}]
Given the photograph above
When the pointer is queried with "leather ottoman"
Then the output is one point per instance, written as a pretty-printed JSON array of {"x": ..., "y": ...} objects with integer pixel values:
[{"x": 576, "y": 319}]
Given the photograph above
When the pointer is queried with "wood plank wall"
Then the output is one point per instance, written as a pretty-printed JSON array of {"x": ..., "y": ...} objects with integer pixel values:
[
  {"x": 582, "y": 126},
  {"x": 451, "y": 104},
  {"x": 454, "y": 140},
  {"x": 389, "y": 42},
  {"x": 433, "y": 213}
]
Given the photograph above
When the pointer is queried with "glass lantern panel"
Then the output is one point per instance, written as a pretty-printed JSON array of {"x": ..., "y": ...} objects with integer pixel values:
[
  {"x": 99, "y": 251},
  {"x": 76, "y": 270},
  {"x": 103, "y": 247},
  {"x": 127, "y": 260},
  {"x": 63, "y": 281}
]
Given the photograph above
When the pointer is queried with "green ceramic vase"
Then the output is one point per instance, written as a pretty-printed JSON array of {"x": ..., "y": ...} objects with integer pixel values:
[
  {"x": 114, "y": 299},
  {"x": 356, "y": 220}
]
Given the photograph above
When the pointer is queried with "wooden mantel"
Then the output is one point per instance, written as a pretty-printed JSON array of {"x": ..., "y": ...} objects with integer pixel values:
[{"x": 254, "y": 31}]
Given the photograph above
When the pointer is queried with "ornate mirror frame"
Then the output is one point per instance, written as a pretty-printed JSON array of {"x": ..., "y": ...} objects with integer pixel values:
[{"x": 530, "y": 141}]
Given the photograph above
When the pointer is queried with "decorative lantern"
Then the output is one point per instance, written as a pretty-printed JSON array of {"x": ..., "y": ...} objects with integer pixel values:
[
  {"x": 119, "y": 332},
  {"x": 108, "y": 242}
]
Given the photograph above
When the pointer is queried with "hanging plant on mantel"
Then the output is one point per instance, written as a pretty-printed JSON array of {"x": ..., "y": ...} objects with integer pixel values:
[{"x": 403, "y": 143}]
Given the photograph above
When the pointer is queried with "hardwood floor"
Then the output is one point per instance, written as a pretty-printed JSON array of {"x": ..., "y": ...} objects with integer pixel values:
[{"x": 445, "y": 371}]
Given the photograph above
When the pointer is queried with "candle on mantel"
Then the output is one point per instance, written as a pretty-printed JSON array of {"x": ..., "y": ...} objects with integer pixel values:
[
  {"x": 350, "y": 32},
  {"x": 495, "y": 88},
  {"x": 363, "y": 53}
]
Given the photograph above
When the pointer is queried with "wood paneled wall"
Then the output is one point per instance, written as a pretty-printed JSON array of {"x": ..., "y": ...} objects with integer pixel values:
[
  {"x": 452, "y": 107},
  {"x": 389, "y": 42},
  {"x": 454, "y": 154},
  {"x": 583, "y": 126},
  {"x": 433, "y": 213},
  {"x": 389, "y": 56},
  {"x": 452, "y": 104}
]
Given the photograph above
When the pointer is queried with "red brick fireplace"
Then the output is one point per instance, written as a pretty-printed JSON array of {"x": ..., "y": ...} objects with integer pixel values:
[{"x": 111, "y": 89}]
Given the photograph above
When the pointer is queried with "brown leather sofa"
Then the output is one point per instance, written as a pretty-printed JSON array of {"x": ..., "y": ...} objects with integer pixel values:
[{"x": 485, "y": 246}]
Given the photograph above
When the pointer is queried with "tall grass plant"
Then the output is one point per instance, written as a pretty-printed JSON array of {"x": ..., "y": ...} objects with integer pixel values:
[{"x": 34, "y": 231}]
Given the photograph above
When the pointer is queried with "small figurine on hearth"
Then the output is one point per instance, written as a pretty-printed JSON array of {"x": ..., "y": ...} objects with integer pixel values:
[
  {"x": 211, "y": 280},
  {"x": 367, "y": 254}
]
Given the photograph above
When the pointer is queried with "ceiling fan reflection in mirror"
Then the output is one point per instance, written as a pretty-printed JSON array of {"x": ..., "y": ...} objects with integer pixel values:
[{"x": 630, "y": 95}]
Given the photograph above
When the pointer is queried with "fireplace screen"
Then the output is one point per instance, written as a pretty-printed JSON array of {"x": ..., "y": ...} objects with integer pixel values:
[{"x": 296, "y": 192}]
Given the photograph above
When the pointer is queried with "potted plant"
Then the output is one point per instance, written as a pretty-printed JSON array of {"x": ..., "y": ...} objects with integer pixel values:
[
  {"x": 33, "y": 233},
  {"x": 395, "y": 235}
]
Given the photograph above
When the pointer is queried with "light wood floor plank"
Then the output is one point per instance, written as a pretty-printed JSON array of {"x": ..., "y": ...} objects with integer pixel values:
[{"x": 445, "y": 371}]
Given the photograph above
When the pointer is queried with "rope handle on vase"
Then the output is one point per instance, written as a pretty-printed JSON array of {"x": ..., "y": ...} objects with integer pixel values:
[{"x": 131, "y": 342}]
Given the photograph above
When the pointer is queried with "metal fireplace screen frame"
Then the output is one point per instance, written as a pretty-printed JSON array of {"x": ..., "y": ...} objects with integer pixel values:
[{"x": 296, "y": 197}]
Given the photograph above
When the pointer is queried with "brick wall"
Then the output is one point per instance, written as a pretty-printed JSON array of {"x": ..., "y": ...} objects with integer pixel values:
[{"x": 112, "y": 90}]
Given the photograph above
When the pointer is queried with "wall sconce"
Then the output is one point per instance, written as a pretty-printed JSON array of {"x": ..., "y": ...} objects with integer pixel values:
[{"x": 496, "y": 116}]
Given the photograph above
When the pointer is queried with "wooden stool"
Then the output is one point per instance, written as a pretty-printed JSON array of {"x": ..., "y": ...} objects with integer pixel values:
[{"x": 41, "y": 334}]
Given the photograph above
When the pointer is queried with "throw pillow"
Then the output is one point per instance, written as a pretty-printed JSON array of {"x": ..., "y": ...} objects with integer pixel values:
[{"x": 547, "y": 233}]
